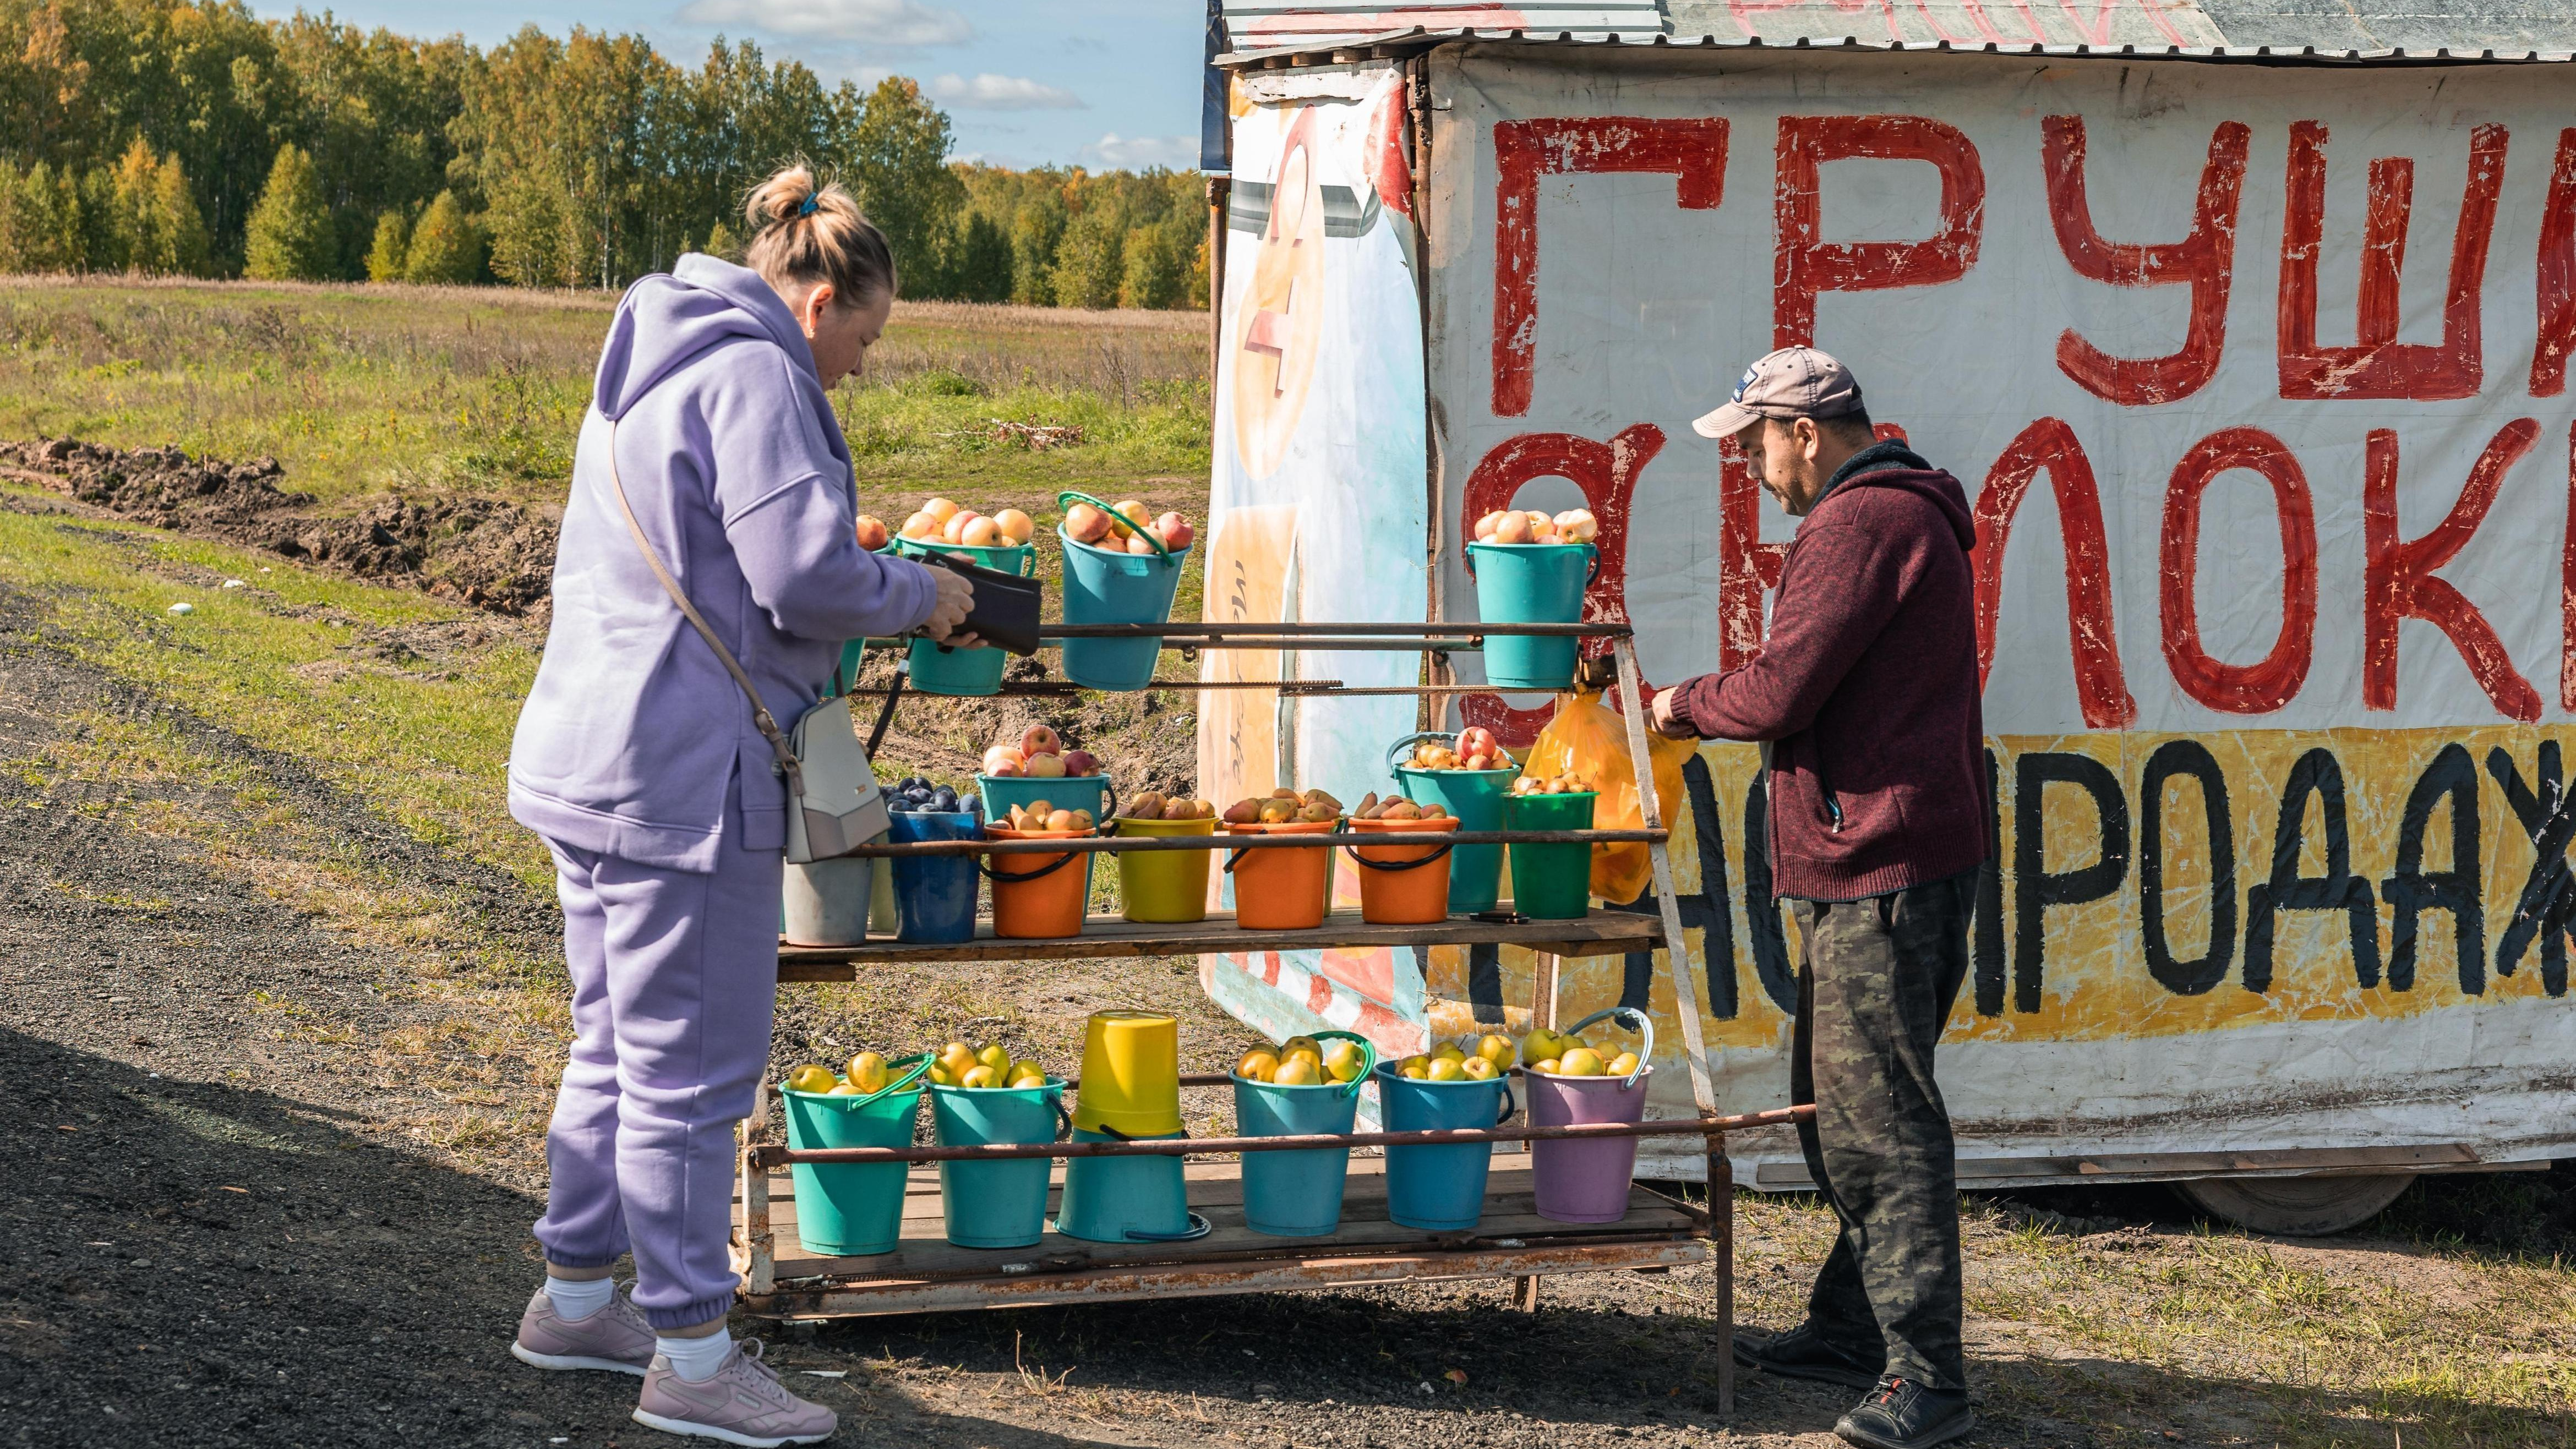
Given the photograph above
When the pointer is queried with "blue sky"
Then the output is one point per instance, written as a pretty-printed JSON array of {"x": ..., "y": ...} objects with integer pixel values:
[{"x": 1098, "y": 83}]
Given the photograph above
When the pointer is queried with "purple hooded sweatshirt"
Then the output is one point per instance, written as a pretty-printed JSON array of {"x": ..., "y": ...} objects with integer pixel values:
[{"x": 736, "y": 467}]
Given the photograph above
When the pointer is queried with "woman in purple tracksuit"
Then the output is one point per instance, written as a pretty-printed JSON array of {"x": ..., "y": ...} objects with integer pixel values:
[{"x": 637, "y": 759}]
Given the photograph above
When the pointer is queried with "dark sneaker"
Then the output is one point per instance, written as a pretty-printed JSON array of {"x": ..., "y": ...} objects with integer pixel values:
[
  {"x": 1902, "y": 1414},
  {"x": 1803, "y": 1353}
]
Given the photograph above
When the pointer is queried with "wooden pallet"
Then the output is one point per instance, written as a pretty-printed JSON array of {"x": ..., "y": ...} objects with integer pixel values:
[
  {"x": 927, "y": 1274},
  {"x": 1601, "y": 933}
]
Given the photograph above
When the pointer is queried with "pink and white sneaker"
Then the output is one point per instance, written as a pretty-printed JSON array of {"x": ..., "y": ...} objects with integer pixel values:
[
  {"x": 616, "y": 1338},
  {"x": 744, "y": 1403}
]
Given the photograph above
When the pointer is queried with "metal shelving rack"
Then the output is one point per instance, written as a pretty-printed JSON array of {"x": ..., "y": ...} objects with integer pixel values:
[{"x": 926, "y": 1274}]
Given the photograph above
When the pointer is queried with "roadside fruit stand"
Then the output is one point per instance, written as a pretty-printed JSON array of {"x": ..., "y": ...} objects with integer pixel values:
[{"x": 1506, "y": 1226}]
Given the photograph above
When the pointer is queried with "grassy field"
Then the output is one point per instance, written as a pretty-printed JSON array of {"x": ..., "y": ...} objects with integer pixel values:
[{"x": 2448, "y": 1328}]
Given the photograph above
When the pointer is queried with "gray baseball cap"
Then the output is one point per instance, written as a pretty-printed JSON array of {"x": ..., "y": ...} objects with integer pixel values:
[{"x": 1794, "y": 382}]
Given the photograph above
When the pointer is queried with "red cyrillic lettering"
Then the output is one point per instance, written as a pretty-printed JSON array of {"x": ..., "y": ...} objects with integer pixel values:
[
  {"x": 2377, "y": 364},
  {"x": 1693, "y": 152},
  {"x": 1746, "y": 566},
  {"x": 2557, "y": 269},
  {"x": 2100, "y": 687},
  {"x": 2397, "y": 581},
  {"x": 2205, "y": 259},
  {"x": 1607, "y": 475},
  {"x": 1807, "y": 265},
  {"x": 2256, "y": 688}
]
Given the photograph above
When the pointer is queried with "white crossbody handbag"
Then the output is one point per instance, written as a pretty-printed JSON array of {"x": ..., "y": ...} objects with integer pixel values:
[{"x": 834, "y": 805}]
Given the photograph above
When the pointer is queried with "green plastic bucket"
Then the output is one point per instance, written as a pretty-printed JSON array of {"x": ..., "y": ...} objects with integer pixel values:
[
  {"x": 1476, "y": 798},
  {"x": 1298, "y": 1194},
  {"x": 1531, "y": 583},
  {"x": 944, "y": 669},
  {"x": 1551, "y": 882},
  {"x": 849, "y": 1210},
  {"x": 996, "y": 1204},
  {"x": 1106, "y": 587},
  {"x": 1126, "y": 1199}
]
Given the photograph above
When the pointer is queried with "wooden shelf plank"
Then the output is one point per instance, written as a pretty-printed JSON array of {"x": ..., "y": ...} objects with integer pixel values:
[{"x": 1602, "y": 933}]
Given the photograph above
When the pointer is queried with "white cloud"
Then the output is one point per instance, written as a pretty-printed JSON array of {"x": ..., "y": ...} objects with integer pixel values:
[
  {"x": 876, "y": 22},
  {"x": 990, "y": 92},
  {"x": 1128, "y": 153}
]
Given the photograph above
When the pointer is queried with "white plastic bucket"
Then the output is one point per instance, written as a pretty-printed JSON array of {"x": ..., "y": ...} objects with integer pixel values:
[{"x": 827, "y": 902}]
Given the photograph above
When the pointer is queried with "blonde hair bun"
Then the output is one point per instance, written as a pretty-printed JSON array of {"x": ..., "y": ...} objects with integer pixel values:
[{"x": 809, "y": 232}]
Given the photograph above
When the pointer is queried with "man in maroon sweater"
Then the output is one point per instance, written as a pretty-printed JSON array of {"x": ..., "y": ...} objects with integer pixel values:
[{"x": 1865, "y": 700}]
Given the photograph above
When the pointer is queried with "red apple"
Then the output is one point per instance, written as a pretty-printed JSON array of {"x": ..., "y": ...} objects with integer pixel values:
[
  {"x": 1041, "y": 740},
  {"x": 1476, "y": 740},
  {"x": 1085, "y": 524},
  {"x": 1081, "y": 762},
  {"x": 999, "y": 756},
  {"x": 1016, "y": 524},
  {"x": 1005, "y": 769},
  {"x": 872, "y": 532},
  {"x": 1174, "y": 531},
  {"x": 1512, "y": 528},
  {"x": 980, "y": 533}
]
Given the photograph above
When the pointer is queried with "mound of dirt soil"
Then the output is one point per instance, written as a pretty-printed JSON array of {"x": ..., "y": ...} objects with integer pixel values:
[{"x": 479, "y": 551}]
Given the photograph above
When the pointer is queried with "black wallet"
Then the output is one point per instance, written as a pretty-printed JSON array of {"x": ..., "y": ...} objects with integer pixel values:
[{"x": 1006, "y": 605}]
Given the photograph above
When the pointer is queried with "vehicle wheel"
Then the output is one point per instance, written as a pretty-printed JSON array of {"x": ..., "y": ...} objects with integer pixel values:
[{"x": 2296, "y": 1207}]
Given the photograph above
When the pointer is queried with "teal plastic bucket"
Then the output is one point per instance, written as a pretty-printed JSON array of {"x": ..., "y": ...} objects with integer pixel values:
[
  {"x": 943, "y": 669},
  {"x": 1531, "y": 583},
  {"x": 996, "y": 1204},
  {"x": 934, "y": 895},
  {"x": 1552, "y": 882},
  {"x": 1106, "y": 587},
  {"x": 1298, "y": 1194},
  {"x": 1438, "y": 1189},
  {"x": 1476, "y": 798},
  {"x": 849, "y": 1210},
  {"x": 1126, "y": 1199},
  {"x": 1066, "y": 792}
]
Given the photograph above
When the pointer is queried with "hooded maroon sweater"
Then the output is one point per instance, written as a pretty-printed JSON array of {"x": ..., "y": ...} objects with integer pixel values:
[{"x": 1866, "y": 688}]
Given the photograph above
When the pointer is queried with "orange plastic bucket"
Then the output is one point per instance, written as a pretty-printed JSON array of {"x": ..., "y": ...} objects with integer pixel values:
[
  {"x": 1286, "y": 889},
  {"x": 1403, "y": 885},
  {"x": 1038, "y": 896}
]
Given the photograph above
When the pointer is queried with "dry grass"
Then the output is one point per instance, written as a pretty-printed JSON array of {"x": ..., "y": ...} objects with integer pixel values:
[{"x": 362, "y": 389}]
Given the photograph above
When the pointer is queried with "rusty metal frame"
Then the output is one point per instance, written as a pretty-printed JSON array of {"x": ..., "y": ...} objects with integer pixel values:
[{"x": 1322, "y": 1263}]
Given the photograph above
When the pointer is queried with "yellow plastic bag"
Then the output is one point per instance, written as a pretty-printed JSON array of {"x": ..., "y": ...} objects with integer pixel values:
[{"x": 1588, "y": 739}]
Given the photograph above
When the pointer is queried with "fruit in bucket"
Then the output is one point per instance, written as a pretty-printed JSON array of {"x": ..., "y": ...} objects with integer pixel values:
[
  {"x": 867, "y": 1072},
  {"x": 1550, "y": 785},
  {"x": 957, "y": 1057},
  {"x": 872, "y": 532},
  {"x": 1541, "y": 1045},
  {"x": 1444, "y": 1069},
  {"x": 1512, "y": 527},
  {"x": 1155, "y": 805},
  {"x": 1257, "y": 1065},
  {"x": 1005, "y": 760},
  {"x": 979, "y": 1077},
  {"x": 918, "y": 793},
  {"x": 1046, "y": 767},
  {"x": 1474, "y": 749},
  {"x": 1015, "y": 525},
  {"x": 1302, "y": 1046},
  {"x": 811, "y": 1077},
  {"x": 1621, "y": 1065},
  {"x": 1577, "y": 525},
  {"x": 1495, "y": 1049},
  {"x": 982, "y": 533},
  {"x": 1477, "y": 1069},
  {"x": 1081, "y": 762},
  {"x": 1130, "y": 514},
  {"x": 1298, "y": 1072},
  {"x": 1342, "y": 1059},
  {"x": 1086, "y": 524},
  {"x": 1174, "y": 531},
  {"x": 1416, "y": 1066},
  {"x": 1041, "y": 740},
  {"x": 1579, "y": 1062},
  {"x": 994, "y": 1055}
]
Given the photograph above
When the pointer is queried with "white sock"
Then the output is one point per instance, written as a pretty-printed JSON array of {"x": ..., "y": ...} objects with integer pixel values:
[
  {"x": 695, "y": 1359},
  {"x": 577, "y": 1298}
]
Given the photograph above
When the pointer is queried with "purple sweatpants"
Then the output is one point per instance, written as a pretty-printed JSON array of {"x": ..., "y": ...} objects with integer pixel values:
[{"x": 674, "y": 977}]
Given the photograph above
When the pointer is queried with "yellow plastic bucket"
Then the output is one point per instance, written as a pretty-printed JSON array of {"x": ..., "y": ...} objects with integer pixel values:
[
  {"x": 1165, "y": 886},
  {"x": 1131, "y": 1075}
]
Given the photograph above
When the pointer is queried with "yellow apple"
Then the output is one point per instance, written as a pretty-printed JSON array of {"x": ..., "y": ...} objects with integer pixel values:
[
  {"x": 996, "y": 1056},
  {"x": 980, "y": 1076},
  {"x": 1580, "y": 1062},
  {"x": 957, "y": 1056},
  {"x": 868, "y": 1072},
  {"x": 1028, "y": 1074},
  {"x": 1446, "y": 1069},
  {"x": 846, "y": 1089},
  {"x": 1496, "y": 1049},
  {"x": 1621, "y": 1065},
  {"x": 1257, "y": 1065},
  {"x": 1549, "y": 1068},
  {"x": 940, "y": 1076},
  {"x": 1298, "y": 1071},
  {"x": 1539, "y": 1045},
  {"x": 1449, "y": 1051},
  {"x": 1477, "y": 1069},
  {"x": 811, "y": 1077},
  {"x": 1342, "y": 1059}
]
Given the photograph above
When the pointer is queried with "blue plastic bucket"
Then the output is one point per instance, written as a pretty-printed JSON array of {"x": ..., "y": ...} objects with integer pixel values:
[
  {"x": 943, "y": 669},
  {"x": 1106, "y": 587},
  {"x": 996, "y": 1204},
  {"x": 1477, "y": 799},
  {"x": 1531, "y": 583},
  {"x": 1297, "y": 1194},
  {"x": 1126, "y": 1199},
  {"x": 848, "y": 1210},
  {"x": 934, "y": 895},
  {"x": 1438, "y": 1189}
]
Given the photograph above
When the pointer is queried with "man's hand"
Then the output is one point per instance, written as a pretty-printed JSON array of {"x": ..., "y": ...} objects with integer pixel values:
[
  {"x": 948, "y": 610},
  {"x": 1665, "y": 716}
]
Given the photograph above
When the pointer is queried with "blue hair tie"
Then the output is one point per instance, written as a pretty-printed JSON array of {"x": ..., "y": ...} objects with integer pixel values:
[{"x": 813, "y": 201}]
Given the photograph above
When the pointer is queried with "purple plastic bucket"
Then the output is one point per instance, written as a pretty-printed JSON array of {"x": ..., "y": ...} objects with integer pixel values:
[{"x": 1578, "y": 1180}]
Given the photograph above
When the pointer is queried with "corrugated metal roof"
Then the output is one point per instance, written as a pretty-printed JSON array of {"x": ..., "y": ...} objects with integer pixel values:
[{"x": 2263, "y": 30}]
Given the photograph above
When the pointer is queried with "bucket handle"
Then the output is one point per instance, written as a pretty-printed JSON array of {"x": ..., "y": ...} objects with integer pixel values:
[
  {"x": 1070, "y": 497},
  {"x": 1414, "y": 864},
  {"x": 1028, "y": 555},
  {"x": 920, "y": 1064},
  {"x": 1063, "y": 1118},
  {"x": 1589, "y": 579},
  {"x": 1040, "y": 873},
  {"x": 1637, "y": 1021},
  {"x": 1368, "y": 1055},
  {"x": 1199, "y": 1228}
]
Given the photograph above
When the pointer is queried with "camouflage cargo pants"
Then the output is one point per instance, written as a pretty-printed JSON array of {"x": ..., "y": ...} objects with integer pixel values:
[{"x": 1873, "y": 993}]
